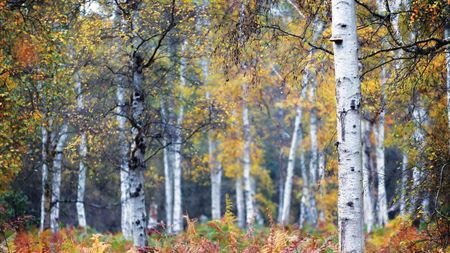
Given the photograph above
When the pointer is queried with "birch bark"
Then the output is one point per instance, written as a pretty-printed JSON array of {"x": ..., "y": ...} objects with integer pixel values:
[
  {"x": 124, "y": 149},
  {"x": 177, "y": 170},
  {"x": 404, "y": 185},
  {"x": 290, "y": 168},
  {"x": 240, "y": 203},
  {"x": 44, "y": 184},
  {"x": 56, "y": 182},
  {"x": 81, "y": 213},
  {"x": 248, "y": 193},
  {"x": 369, "y": 213},
  {"x": 168, "y": 173},
  {"x": 136, "y": 162},
  {"x": 348, "y": 93}
]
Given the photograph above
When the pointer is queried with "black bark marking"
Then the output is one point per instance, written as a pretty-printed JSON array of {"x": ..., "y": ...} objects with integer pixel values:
[{"x": 350, "y": 204}]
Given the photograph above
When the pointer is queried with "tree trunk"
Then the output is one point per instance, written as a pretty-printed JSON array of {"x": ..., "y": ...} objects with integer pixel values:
[
  {"x": 136, "y": 161},
  {"x": 56, "y": 182},
  {"x": 168, "y": 173},
  {"x": 124, "y": 149},
  {"x": 240, "y": 203},
  {"x": 124, "y": 166},
  {"x": 379, "y": 143},
  {"x": 44, "y": 184},
  {"x": 404, "y": 185},
  {"x": 249, "y": 197},
  {"x": 290, "y": 168},
  {"x": 216, "y": 178},
  {"x": 214, "y": 164},
  {"x": 419, "y": 138},
  {"x": 177, "y": 170},
  {"x": 348, "y": 93},
  {"x": 152, "y": 215},
  {"x": 447, "y": 63},
  {"x": 380, "y": 161},
  {"x": 81, "y": 213},
  {"x": 304, "y": 201},
  {"x": 369, "y": 213}
]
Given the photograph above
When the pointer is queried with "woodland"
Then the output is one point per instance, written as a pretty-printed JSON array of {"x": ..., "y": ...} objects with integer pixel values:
[{"x": 224, "y": 126}]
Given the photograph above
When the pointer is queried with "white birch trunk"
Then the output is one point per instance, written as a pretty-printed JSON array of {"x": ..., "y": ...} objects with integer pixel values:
[
  {"x": 305, "y": 208},
  {"x": 81, "y": 213},
  {"x": 177, "y": 170},
  {"x": 124, "y": 149},
  {"x": 313, "y": 165},
  {"x": 152, "y": 215},
  {"x": 304, "y": 201},
  {"x": 56, "y": 182},
  {"x": 369, "y": 213},
  {"x": 216, "y": 179},
  {"x": 44, "y": 183},
  {"x": 447, "y": 64},
  {"x": 380, "y": 161},
  {"x": 248, "y": 192},
  {"x": 290, "y": 168},
  {"x": 419, "y": 138},
  {"x": 137, "y": 162},
  {"x": 123, "y": 159},
  {"x": 348, "y": 93},
  {"x": 379, "y": 144},
  {"x": 404, "y": 185},
  {"x": 240, "y": 205},
  {"x": 214, "y": 164},
  {"x": 168, "y": 173}
]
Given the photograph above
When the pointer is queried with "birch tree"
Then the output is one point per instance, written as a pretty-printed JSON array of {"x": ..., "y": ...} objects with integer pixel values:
[
  {"x": 348, "y": 93},
  {"x": 56, "y": 181},
  {"x": 177, "y": 170},
  {"x": 81, "y": 213},
  {"x": 44, "y": 155},
  {"x": 168, "y": 173},
  {"x": 369, "y": 213},
  {"x": 447, "y": 64},
  {"x": 290, "y": 168},
  {"x": 248, "y": 192}
]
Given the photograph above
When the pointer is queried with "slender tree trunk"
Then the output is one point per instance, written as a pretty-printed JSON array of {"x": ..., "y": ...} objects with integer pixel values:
[
  {"x": 290, "y": 168},
  {"x": 313, "y": 164},
  {"x": 404, "y": 185},
  {"x": 124, "y": 148},
  {"x": 348, "y": 93},
  {"x": 305, "y": 208},
  {"x": 380, "y": 161},
  {"x": 240, "y": 203},
  {"x": 44, "y": 184},
  {"x": 214, "y": 164},
  {"x": 152, "y": 215},
  {"x": 321, "y": 182},
  {"x": 304, "y": 201},
  {"x": 447, "y": 63},
  {"x": 419, "y": 198},
  {"x": 81, "y": 213},
  {"x": 379, "y": 146},
  {"x": 136, "y": 162},
  {"x": 281, "y": 169},
  {"x": 177, "y": 170},
  {"x": 216, "y": 178},
  {"x": 168, "y": 173},
  {"x": 124, "y": 166},
  {"x": 369, "y": 213},
  {"x": 249, "y": 197},
  {"x": 56, "y": 182}
]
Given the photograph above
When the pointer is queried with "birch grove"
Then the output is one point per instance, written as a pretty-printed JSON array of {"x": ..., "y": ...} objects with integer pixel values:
[{"x": 147, "y": 125}]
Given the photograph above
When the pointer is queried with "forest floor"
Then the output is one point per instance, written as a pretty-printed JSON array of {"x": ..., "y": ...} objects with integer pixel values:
[{"x": 224, "y": 236}]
